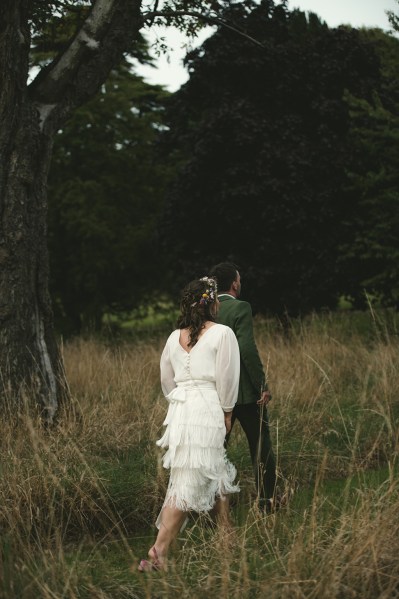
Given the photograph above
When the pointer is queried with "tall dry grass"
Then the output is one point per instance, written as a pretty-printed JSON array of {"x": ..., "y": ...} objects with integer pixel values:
[
  {"x": 75, "y": 500},
  {"x": 336, "y": 391}
]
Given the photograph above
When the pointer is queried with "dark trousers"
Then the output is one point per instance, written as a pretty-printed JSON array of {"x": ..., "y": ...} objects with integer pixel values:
[{"x": 253, "y": 419}]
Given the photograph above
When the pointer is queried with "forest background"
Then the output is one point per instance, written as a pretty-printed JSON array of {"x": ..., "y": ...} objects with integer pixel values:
[{"x": 280, "y": 155}]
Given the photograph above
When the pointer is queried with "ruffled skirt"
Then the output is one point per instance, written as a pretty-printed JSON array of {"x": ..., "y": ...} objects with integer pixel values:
[{"x": 194, "y": 439}]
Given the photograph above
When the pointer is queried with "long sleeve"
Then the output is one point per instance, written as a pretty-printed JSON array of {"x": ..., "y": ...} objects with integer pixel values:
[
  {"x": 228, "y": 370},
  {"x": 248, "y": 350},
  {"x": 167, "y": 372}
]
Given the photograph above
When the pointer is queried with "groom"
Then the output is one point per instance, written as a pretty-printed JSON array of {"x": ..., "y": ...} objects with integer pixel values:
[{"x": 253, "y": 394}]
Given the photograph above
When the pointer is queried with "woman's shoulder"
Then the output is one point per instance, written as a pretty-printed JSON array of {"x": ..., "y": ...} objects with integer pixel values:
[
  {"x": 223, "y": 330},
  {"x": 173, "y": 336},
  {"x": 220, "y": 327}
]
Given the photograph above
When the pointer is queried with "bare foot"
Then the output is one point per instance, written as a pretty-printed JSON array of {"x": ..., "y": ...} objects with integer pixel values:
[
  {"x": 156, "y": 557},
  {"x": 154, "y": 564}
]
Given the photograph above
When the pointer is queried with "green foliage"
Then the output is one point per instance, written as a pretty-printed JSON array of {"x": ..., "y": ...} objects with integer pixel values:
[
  {"x": 287, "y": 157},
  {"x": 41, "y": 13},
  {"x": 59, "y": 25},
  {"x": 105, "y": 190},
  {"x": 371, "y": 255},
  {"x": 187, "y": 15},
  {"x": 263, "y": 133},
  {"x": 393, "y": 19}
]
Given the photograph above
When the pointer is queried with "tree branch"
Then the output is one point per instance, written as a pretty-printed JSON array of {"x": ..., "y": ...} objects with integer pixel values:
[
  {"x": 76, "y": 74},
  {"x": 208, "y": 18},
  {"x": 50, "y": 82},
  {"x": 106, "y": 34},
  {"x": 154, "y": 12}
]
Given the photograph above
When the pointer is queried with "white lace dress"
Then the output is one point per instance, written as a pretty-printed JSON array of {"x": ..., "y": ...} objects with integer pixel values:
[{"x": 199, "y": 386}]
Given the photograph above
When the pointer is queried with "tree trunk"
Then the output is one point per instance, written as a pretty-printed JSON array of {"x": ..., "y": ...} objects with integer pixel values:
[
  {"x": 32, "y": 360},
  {"x": 30, "y": 363}
]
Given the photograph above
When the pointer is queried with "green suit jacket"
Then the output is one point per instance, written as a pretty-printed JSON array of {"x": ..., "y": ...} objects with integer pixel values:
[{"x": 237, "y": 315}]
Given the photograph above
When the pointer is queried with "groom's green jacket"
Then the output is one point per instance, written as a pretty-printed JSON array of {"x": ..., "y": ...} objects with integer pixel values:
[{"x": 237, "y": 315}]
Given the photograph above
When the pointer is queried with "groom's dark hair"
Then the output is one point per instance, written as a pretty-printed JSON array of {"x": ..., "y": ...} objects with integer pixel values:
[{"x": 225, "y": 274}]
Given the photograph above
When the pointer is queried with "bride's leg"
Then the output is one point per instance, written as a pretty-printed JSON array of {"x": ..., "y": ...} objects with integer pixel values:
[
  {"x": 222, "y": 511},
  {"x": 171, "y": 522}
]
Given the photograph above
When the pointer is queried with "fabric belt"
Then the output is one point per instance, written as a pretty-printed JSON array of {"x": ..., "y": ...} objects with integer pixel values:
[{"x": 179, "y": 392}]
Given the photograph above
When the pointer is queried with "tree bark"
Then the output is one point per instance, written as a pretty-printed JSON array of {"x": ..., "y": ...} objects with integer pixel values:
[{"x": 30, "y": 361}]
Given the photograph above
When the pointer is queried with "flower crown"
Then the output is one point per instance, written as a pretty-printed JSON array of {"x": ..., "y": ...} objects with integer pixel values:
[{"x": 210, "y": 294}]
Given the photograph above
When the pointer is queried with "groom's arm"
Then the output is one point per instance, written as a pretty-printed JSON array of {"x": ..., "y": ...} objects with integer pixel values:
[{"x": 248, "y": 351}]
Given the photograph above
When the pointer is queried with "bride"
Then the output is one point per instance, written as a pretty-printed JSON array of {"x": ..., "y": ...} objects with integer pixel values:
[{"x": 200, "y": 370}]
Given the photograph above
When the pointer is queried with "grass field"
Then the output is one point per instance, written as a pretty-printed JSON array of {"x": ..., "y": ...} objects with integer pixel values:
[{"x": 77, "y": 502}]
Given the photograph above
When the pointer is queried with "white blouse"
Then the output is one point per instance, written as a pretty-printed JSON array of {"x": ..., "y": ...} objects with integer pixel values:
[{"x": 215, "y": 358}]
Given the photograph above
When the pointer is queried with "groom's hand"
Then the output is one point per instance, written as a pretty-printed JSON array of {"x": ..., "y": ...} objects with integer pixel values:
[
  {"x": 227, "y": 421},
  {"x": 264, "y": 398}
]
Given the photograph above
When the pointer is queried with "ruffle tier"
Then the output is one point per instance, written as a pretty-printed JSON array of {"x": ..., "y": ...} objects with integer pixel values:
[
  {"x": 197, "y": 489},
  {"x": 194, "y": 439}
]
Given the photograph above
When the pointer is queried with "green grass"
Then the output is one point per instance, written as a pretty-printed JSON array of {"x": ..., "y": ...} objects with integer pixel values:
[
  {"x": 78, "y": 504},
  {"x": 105, "y": 564}
]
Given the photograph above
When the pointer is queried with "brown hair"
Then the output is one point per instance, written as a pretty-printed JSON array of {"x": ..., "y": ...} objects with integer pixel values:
[
  {"x": 194, "y": 310},
  {"x": 225, "y": 273}
]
